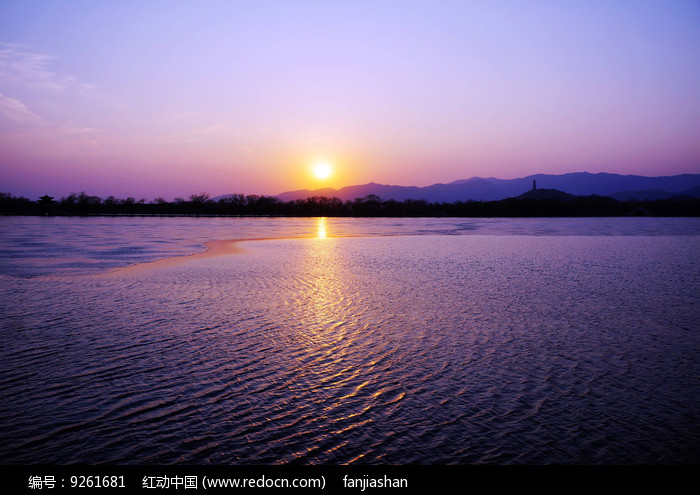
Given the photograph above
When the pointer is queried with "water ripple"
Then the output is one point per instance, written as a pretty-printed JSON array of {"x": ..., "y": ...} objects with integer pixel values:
[{"x": 453, "y": 349}]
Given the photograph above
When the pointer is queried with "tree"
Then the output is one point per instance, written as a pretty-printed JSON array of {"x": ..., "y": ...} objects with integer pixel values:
[{"x": 199, "y": 198}]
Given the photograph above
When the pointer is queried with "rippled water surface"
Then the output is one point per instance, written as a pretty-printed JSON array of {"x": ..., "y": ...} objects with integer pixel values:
[{"x": 339, "y": 341}]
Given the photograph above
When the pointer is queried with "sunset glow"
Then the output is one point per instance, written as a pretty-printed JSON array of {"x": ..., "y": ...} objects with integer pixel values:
[{"x": 411, "y": 94}]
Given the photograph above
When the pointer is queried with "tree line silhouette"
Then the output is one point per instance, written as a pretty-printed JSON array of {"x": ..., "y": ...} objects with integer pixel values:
[{"x": 82, "y": 204}]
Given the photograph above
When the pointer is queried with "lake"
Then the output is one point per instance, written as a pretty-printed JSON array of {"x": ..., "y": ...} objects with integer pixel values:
[{"x": 349, "y": 341}]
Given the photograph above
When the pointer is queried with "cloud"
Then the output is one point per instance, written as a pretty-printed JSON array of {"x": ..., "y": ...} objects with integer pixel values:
[
  {"x": 20, "y": 65},
  {"x": 37, "y": 135},
  {"x": 17, "y": 112},
  {"x": 22, "y": 68}
]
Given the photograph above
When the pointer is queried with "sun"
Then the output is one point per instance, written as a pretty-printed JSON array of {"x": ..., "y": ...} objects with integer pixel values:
[{"x": 322, "y": 170}]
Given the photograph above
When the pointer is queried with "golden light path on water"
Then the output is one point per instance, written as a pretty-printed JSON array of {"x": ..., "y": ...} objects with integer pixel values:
[{"x": 321, "y": 228}]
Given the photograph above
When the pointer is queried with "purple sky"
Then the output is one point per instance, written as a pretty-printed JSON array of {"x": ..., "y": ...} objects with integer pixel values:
[{"x": 170, "y": 98}]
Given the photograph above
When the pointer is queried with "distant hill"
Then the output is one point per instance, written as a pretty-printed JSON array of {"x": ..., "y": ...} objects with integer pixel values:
[
  {"x": 654, "y": 194},
  {"x": 645, "y": 195},
  {"x": 492, "y": 189},
  {"x": 398, "y": 193},
  {"x": 693, "y": 192},
  {"x": 546, "y": 194}
]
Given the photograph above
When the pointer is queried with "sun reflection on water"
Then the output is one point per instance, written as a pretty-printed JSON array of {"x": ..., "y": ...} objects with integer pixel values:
[
  {"x": 321, "y": 228},
  {"x": 339, "y": 361},
  {"x": 321, "y": 308}
]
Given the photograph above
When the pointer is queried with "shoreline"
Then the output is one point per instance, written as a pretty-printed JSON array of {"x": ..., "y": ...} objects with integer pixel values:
[{"x": 214, "y": 249}]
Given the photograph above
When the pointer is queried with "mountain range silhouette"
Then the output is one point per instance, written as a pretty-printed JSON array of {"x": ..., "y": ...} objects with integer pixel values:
[{"x": 621, "y": 187}]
